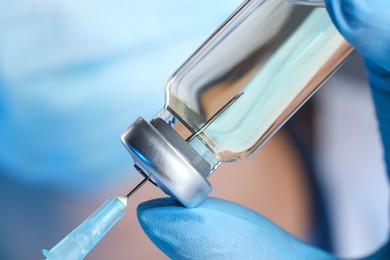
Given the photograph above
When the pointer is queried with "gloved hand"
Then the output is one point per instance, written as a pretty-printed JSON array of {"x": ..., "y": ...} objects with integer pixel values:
[
  {"x": 366, "y": 25},
  {"x": 219, "y": 229}
]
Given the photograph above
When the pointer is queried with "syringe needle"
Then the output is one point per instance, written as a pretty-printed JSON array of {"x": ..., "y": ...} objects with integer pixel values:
[
  {"x": 137, "y": 187},
  {"x": 82, "y": 239}
]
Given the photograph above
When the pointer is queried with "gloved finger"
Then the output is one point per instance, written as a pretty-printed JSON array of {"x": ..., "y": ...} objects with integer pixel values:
[
  {"x": 218, "y": 229},
  {"x": 366, "y": 25}
]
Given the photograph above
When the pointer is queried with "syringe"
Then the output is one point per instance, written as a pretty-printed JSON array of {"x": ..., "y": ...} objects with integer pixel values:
[{"x": 82, "y": 239}]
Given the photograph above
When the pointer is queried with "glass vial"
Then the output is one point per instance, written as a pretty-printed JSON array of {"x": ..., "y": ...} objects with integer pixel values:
[
  {"x": 234, "y": 93},
  {"x": 274, "y": 54}
]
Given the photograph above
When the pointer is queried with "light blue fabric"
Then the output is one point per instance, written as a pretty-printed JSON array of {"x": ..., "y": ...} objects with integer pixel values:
[
  {"x": 219, "y": 229},
  {"x": 75, "y": 74}
]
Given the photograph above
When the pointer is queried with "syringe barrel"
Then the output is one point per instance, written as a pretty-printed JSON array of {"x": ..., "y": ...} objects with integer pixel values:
[{"x": 81, "y": 240}]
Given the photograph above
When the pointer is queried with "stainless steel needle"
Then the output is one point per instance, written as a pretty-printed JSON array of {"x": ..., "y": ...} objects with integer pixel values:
[{"x": 137, "y": 187}]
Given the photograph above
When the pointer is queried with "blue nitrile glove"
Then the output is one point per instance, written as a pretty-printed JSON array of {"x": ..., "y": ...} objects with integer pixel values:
[
  {"x": 366, "y": 25},
  {"x": 219, "y": 229}
]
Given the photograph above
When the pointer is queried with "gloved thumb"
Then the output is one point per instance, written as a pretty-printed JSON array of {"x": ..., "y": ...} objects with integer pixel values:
[
  {"x": 365, "y": 24},
  {"x": 218, "y": 229}
]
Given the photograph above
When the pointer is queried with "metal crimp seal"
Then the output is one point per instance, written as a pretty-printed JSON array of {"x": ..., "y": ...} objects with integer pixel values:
[{"x": 169, "y": 161}]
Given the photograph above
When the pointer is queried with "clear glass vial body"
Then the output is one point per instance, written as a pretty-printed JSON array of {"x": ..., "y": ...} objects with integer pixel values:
[
  {"x": 271, "y": 53},
  {"x": 320, "y": 3},
  {"x": 234, "y": 93}
]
